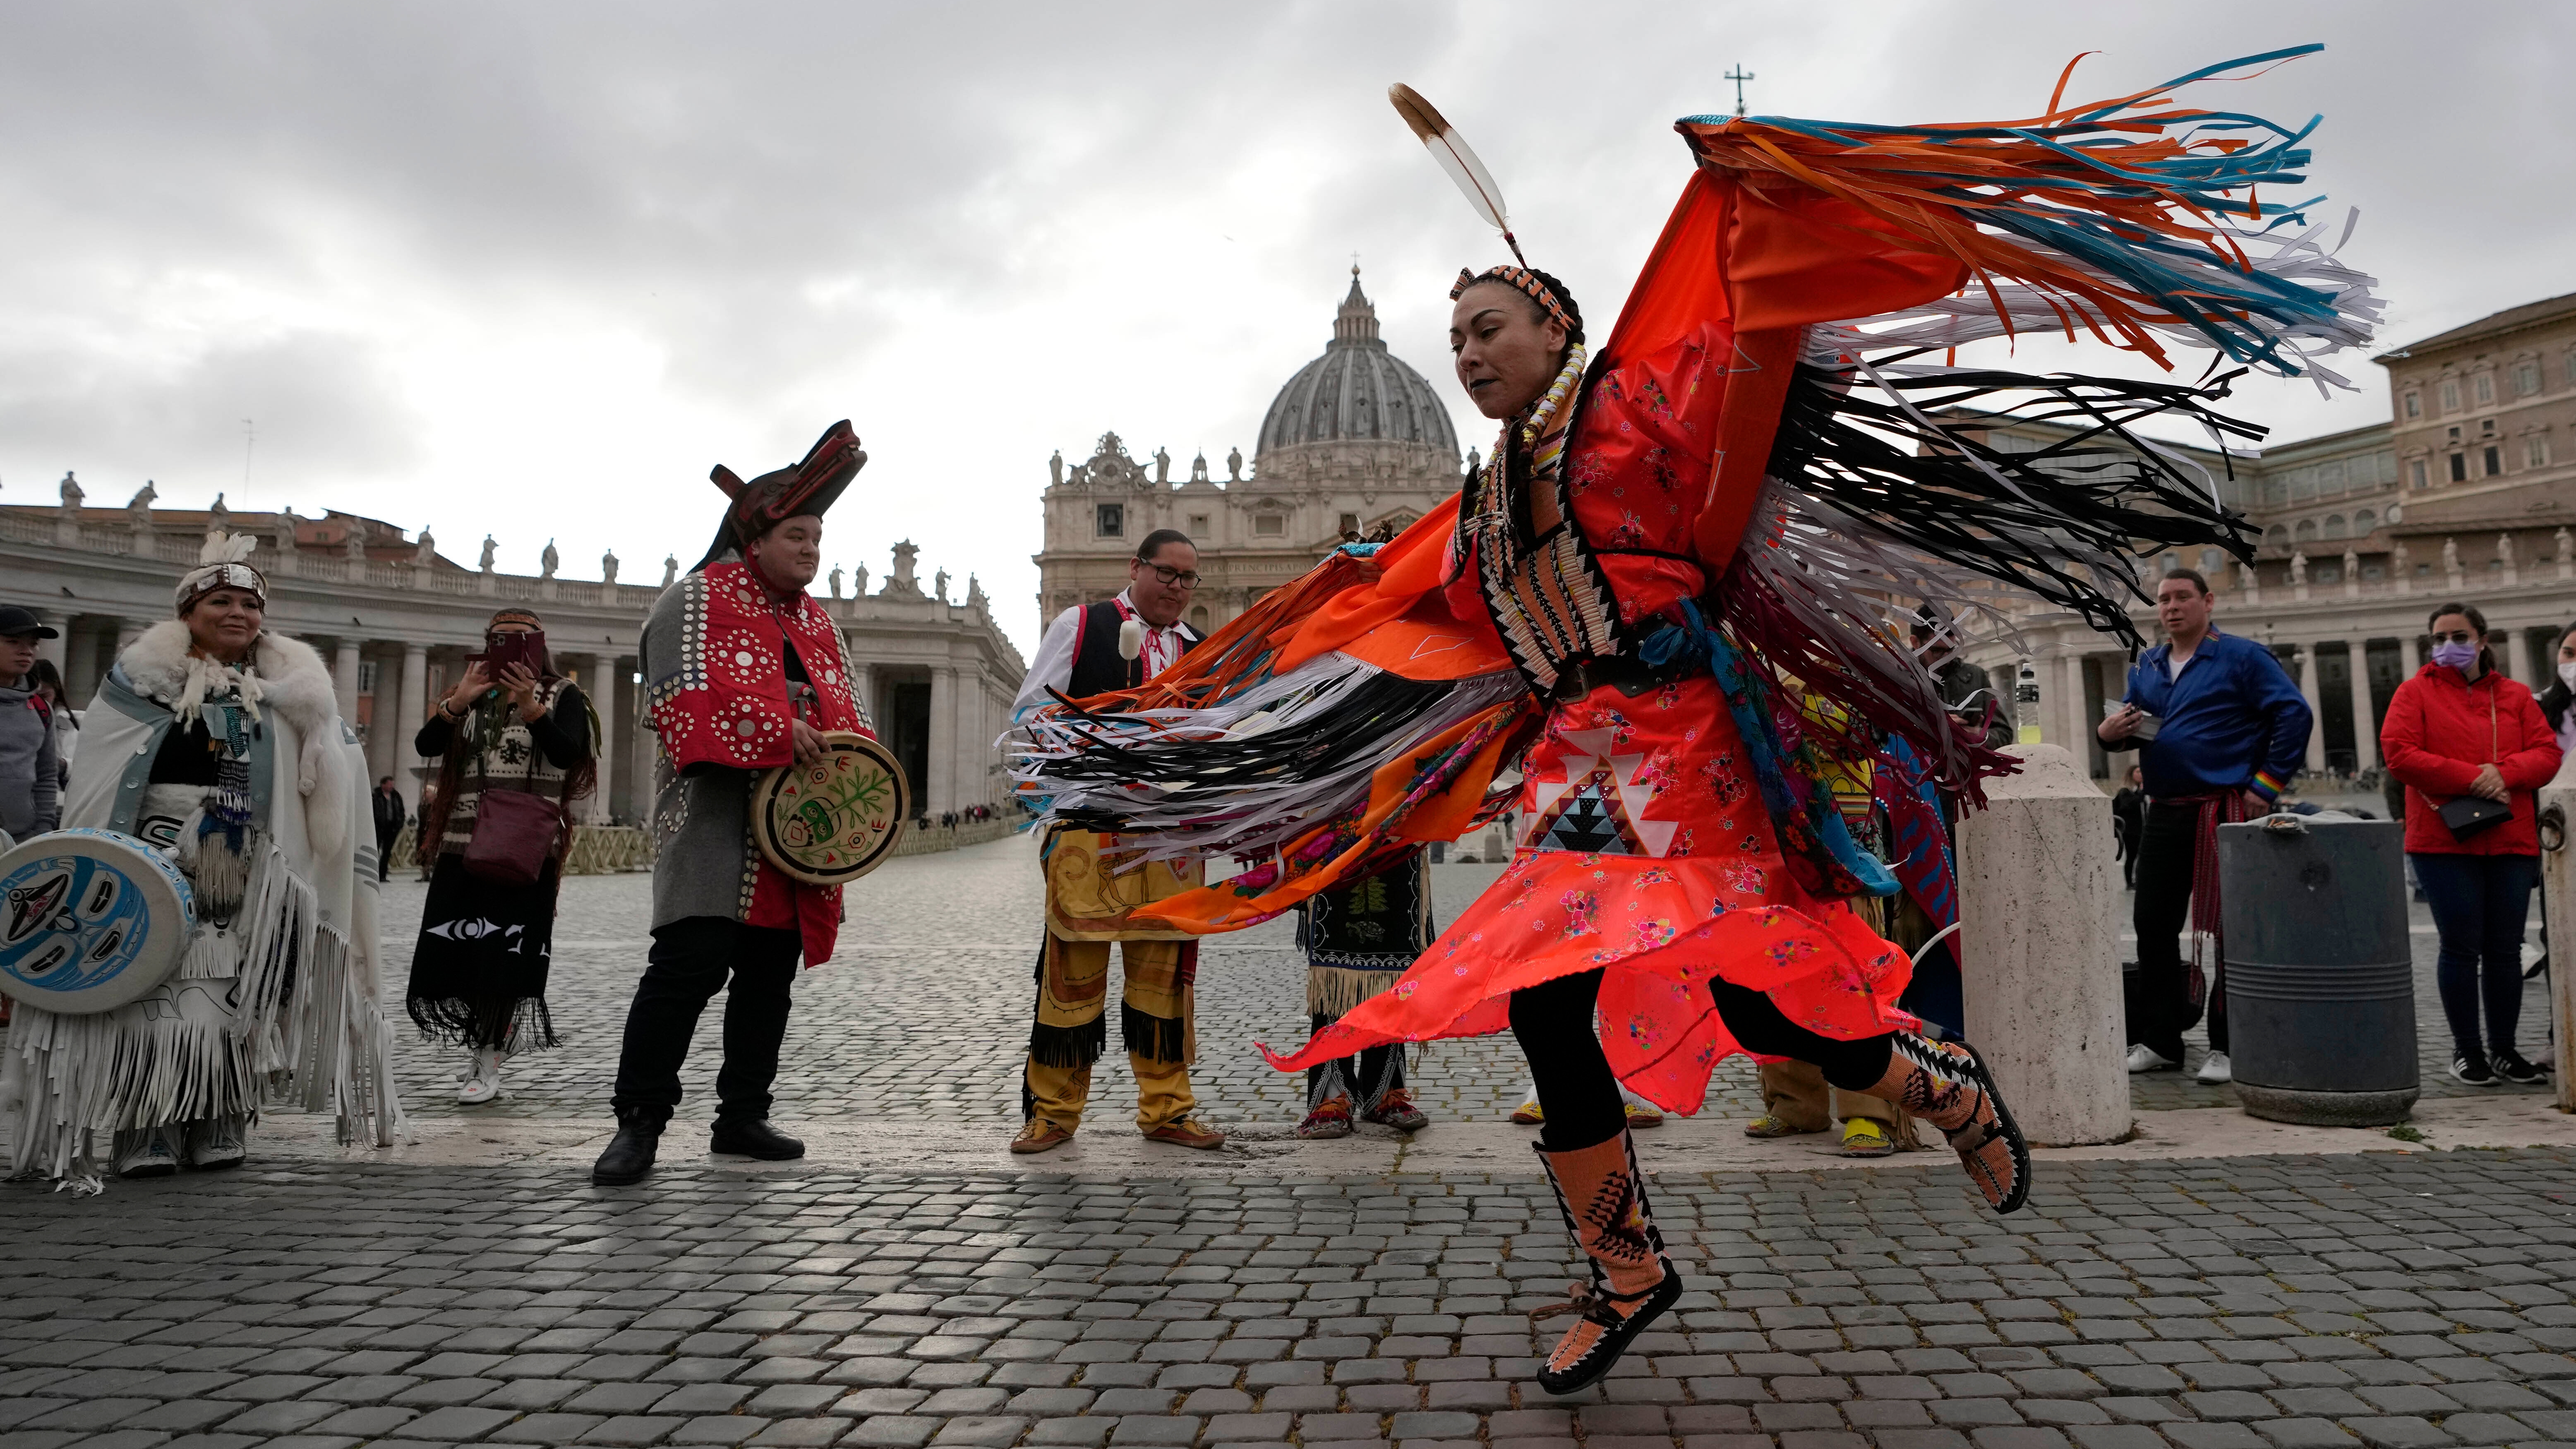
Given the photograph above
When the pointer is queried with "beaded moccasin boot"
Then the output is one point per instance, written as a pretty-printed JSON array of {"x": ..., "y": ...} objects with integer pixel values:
[
  {"x": 1946, "y": 1084},
  {"x": 1604, "y": 1200}
]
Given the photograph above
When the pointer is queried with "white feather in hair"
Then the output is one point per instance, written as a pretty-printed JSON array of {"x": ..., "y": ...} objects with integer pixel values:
[
  {"x": 225, "y": 548},
  {"x": 1451, "y": 151}
]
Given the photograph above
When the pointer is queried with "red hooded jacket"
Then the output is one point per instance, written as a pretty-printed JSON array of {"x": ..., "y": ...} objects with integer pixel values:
[{"x": 2440, "y": 728}]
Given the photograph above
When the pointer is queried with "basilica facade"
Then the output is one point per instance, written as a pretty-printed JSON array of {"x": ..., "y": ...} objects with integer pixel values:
[{"x": 1355, "y": 440}]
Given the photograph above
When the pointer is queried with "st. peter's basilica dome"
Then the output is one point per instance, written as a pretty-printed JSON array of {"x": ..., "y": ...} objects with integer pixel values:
[{"x": 1357, "y": 392}]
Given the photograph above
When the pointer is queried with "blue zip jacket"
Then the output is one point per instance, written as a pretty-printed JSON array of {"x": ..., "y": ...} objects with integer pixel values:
[{"x": 2234, "y": 720}]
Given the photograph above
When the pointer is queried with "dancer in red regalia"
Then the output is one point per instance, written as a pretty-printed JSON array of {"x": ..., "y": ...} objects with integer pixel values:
[{"x": 1750, "y": 487}]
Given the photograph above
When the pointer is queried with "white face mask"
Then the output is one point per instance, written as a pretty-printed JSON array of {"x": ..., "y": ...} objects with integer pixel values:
[{"x": 2567, "y": 672}]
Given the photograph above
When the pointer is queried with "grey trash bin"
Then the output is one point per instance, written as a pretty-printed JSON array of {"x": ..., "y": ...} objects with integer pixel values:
[{"x": 2320, "y": 975}]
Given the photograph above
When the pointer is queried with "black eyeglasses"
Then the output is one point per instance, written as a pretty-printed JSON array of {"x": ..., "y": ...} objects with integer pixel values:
[{"x": 1182, "y": 578}]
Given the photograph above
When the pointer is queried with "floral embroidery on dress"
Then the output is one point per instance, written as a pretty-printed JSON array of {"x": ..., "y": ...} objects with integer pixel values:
[
  {"x": 1748, "y": 879},
  {"x": 1654, "y": 875},
  {"x": 1582, "y": 913},
  {"x": 1655, "y": 934}
]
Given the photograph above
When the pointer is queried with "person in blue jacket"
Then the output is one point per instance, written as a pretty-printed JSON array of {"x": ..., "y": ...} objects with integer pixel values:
[{"x": 2220, "y": 728}]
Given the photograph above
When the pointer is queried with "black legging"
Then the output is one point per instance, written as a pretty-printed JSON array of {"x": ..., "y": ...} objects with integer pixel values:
[{"x": 1579, "y": 1098}]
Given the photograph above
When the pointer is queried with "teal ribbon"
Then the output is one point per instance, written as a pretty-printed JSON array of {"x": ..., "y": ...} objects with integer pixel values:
[{"x": 1785, "y": 794}]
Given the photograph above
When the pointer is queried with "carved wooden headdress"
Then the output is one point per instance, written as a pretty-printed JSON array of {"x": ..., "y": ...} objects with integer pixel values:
[{"x": 810, "y": 486}]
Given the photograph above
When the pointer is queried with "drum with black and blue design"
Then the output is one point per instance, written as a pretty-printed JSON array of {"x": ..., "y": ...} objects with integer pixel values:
[{"x": 89, "y": 920}]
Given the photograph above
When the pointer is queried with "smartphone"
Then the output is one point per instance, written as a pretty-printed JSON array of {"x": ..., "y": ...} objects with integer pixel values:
[{"x": 500, "y": 651}]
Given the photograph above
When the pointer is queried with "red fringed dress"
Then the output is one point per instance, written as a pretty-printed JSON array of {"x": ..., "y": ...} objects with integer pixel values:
[{"x": 1644, "y": 849}]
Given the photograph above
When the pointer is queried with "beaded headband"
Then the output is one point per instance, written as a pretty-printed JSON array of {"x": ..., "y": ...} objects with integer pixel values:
[
  {"x": 515, "y": 616},
  {"x": 224, "y": 563},
  {"x": 1526, "y": 281}
]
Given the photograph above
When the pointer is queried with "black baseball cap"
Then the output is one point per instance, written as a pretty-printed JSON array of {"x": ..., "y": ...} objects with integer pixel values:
[{"x": 14, "y": 620}]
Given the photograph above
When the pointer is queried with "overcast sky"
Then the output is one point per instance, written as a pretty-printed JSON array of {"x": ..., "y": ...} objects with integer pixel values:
[{"x": 530, "y": 269}]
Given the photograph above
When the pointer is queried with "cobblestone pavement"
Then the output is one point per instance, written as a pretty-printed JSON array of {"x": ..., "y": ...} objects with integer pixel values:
[
  {"x": 2249, "y": 1304},
  {"x": 923, "y": 1013}
]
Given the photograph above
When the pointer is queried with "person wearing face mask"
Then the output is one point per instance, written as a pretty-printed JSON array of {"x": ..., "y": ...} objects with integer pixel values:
[
  {"x": 2561, "y": 693},
  {"x": 2231, "y": 729},
  {"x": 2458, "y": 728}
]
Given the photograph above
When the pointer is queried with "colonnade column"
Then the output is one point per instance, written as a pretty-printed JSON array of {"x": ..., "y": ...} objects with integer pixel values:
[
  {"x": 2517, "y": 658},
  {"x": 2410, "y": 657},
  {"x": 411, "y": 711},
  {"x": 2071, "y": 685},
  {"x": 2365, "y": 730},
  {"x": 603, "y": 698},
  {"x": 975, "y": 744},
  {"x": 642, "y": 783},
  {"x": 2316, "y": 716},
  {"x": 344, "y": 677},
  {"x": 55, "y": 650},
  {"x": 938, "y": 792}
]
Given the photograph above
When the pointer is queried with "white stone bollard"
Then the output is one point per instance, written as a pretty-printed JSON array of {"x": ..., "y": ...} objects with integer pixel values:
[
  {"x": 2558, "y": 910},
  {"x": 2039, "y": 948}
]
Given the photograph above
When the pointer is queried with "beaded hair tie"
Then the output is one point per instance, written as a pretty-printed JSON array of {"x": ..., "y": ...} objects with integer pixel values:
[{"x": 1525, "y": 280}]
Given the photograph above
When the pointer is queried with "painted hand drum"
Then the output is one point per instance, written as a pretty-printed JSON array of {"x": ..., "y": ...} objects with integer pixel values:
[
  {"x": 832, "y": 821},
  {"x": 89, "y": 920}
]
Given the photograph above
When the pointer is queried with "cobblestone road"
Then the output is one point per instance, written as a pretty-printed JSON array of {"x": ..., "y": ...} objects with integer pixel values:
[
  {"x": 924, "y": 1012},
  {"x": 2251, "y": 1304}
]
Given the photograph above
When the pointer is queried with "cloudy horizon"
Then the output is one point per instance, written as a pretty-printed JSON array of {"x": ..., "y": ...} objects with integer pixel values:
[{"x": 532, "y": 271}]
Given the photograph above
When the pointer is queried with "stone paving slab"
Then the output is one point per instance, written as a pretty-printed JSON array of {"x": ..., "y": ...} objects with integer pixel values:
[
  {"x": 923, "y": 1013},
  {"x": 2380, "y": 1299}
]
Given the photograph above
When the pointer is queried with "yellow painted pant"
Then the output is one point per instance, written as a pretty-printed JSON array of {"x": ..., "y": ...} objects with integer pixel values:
[{"x": 1159, "y": 1021}]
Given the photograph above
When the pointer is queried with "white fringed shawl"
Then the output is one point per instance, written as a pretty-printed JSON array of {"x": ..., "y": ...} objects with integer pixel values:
[{"x": 72, "y": 1081}]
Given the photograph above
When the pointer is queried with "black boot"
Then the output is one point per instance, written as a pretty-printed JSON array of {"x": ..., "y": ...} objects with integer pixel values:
[
  {"x": 753, "y": 1137},
  {"x": 629, "y": 1157}
]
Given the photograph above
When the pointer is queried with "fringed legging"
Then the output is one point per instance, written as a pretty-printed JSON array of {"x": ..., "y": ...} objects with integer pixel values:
[{"x": 1580, "y": 1097}]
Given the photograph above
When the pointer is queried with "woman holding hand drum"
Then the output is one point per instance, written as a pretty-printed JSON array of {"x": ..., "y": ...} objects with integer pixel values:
[
  {"x": 2473, "y": 750},
  {"x": 478, "y": 975}
]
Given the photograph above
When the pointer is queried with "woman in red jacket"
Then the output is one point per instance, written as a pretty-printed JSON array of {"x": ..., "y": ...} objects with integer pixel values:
[{"x": 2459, "y": 728}]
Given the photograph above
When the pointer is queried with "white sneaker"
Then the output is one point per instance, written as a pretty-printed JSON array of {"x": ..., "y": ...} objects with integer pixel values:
[
  {"x": 215, "y": 1143},
  {"x": 480, "y": 1082},
  {"x": 2214, "y": 1069},
  {"x": 2144, "y": 1058},
  {"x": 145, "y": 1152}
]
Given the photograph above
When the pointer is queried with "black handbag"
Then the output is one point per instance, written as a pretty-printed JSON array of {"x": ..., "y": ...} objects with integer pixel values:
[{"x": 2470, "y": 814}]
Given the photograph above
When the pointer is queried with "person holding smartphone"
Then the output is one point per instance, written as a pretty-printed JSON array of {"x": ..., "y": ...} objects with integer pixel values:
[
  {"x": 478, "y": 973},
  {"x": 2458, "y": 733},
  {"x": 2219, "y": 728}
]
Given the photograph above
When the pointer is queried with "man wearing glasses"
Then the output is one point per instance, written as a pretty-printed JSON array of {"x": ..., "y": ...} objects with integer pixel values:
[{"x": 1115, "y": 644}]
